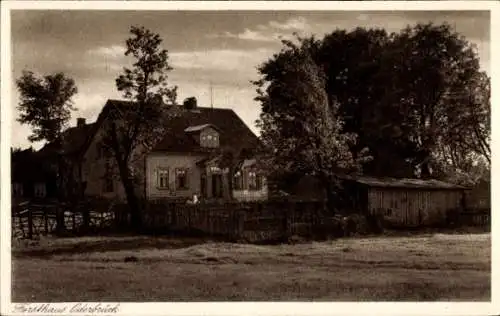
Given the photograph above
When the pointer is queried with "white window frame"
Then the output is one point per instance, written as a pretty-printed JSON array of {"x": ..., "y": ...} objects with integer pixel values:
[
  {"x": 163, "y": 178},
  {"x": 186, "y": 174}
]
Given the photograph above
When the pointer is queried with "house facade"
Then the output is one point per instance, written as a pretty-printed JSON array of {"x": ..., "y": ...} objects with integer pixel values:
[{"x": 207, "y": 152}]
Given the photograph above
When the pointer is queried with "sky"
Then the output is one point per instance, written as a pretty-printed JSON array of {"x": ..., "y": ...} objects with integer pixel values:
[{"x": 221, "y": 49}]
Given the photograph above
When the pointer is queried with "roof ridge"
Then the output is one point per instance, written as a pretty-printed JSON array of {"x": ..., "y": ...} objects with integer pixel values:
[{"x": 198, "y": 107}]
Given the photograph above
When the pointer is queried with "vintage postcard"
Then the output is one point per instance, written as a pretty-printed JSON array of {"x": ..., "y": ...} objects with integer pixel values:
[{"x": 228, "y": 158}]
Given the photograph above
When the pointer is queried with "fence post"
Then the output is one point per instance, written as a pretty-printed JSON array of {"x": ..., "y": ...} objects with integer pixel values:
[
  {"x": 174, "y": 215},
  {"x": 86, "y": 217},
  {"x": 46, "y": 222},
  {"x": 286, "y": 224},
  {"x": 30, "y": 223},
  {"x": 20, "y": 221},
  {"x": 241, "y": 224}
]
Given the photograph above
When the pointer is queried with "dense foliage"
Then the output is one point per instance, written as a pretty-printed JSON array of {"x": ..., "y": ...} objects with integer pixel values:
[
  {"x": 416, "y": 100},
  {"x": 45, "y": 104}
]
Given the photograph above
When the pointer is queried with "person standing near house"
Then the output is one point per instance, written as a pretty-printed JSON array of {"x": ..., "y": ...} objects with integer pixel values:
[{"x": 194, "y": 199}]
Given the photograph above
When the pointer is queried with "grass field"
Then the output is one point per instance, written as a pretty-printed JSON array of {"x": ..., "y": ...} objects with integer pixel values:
[{"x": 433, "y": 267}]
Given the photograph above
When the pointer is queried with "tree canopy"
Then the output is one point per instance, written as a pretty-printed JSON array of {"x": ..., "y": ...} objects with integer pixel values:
[
  {"x": 416, "y": 99},
  {"x": 45, "y": 104},
  {"x": 300, "y": 129}
]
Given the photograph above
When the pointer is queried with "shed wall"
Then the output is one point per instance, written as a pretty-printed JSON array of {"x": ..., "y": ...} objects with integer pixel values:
[{"x": 413, "y": 207}]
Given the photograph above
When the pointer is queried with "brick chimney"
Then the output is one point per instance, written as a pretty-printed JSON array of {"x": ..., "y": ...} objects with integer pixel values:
[
  {"x": 80, "y": 122},
  {"x": 190, "y": 103}
]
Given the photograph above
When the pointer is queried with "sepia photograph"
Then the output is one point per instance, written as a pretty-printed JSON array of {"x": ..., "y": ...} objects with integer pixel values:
[{"x": 246, "y": 155}]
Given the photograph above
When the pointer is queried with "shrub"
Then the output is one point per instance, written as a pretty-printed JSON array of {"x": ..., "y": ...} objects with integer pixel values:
[
  {"x": 375, "y": 223},
  {"x": 356, "y": 224}
]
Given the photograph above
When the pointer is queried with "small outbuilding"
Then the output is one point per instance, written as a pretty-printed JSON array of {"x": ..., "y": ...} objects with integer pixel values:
[{"x": 405, "y": 202}]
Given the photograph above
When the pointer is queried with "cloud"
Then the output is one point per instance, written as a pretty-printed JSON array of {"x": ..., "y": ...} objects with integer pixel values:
[
  {"x": 220, "y": 59},
  {"x": 273, "y": 31},
  {"x": 297, "y": 24},
  {"x": 113, "y": 51}
]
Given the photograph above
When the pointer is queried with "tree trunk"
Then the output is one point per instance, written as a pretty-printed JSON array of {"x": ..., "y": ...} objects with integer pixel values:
[
  {"x": 425, "y": 170},
  {"x": 132, "y": 200},
  {"x": 60, "y": 226}
]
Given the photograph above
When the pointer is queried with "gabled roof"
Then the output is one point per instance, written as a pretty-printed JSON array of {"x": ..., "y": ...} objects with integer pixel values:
[
  {"x": 74, "y": 139},
  {"x": 233, "y": 132},
  {"x": 77, "y": 139}
]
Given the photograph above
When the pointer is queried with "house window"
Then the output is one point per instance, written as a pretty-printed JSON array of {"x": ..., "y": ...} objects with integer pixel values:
[
  {"x": 162, "y": 178},
  {"x": 254, "y": 181},
  {"x": 209, "y": 139},
  {"x": 238, "y": 181},
  {"x": 181, "y": 179}
]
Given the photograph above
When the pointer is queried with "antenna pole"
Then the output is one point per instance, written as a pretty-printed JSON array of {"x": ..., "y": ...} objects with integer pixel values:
[{"x": 211, "y": 96}]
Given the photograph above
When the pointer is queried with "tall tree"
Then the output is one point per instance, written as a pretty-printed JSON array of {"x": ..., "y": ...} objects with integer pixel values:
[
  {"x": 406, "y": 94},
  {"x": 45, "y": 104},
  {"x": 142, "y": 123},
  {"x": 302, "y": 132},
  {"x": 437, "y": 84},
  {"x": 351, "y": 60}
]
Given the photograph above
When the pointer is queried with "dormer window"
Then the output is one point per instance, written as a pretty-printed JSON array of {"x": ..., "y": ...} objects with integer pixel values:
[{"x": 207, "y": 135}]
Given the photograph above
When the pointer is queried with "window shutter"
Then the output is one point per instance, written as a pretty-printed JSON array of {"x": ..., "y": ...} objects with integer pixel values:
[
  {"x": 244, "y": 175},
  {"x": 167, "y": 178},
  {"x": 156, "y": 177},
  {"x": 258, "y": 182}
]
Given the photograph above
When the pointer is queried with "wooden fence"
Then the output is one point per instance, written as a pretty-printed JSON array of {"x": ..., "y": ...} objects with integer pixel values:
[
  {"x": 251, "y": 221},
  {"x": 475, "y": 217},
  {"x": 32, "y": 219}
]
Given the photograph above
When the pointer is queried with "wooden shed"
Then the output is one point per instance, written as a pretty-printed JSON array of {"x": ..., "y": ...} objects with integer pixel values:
[{"x": 405, "y": 202}]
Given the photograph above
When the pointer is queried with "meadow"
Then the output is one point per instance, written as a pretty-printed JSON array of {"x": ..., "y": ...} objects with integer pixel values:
[{"x": 425, "y": 267}]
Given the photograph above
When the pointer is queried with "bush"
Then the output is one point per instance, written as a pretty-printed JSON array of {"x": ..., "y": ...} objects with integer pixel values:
[
  {"x": 356, "y": 224},
  {"x": 347, "y": 225},
  {"x": 375, "y": 223}
]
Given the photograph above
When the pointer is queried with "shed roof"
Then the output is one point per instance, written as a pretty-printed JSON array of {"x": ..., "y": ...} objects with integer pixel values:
[{"x": 405, "y": 183}]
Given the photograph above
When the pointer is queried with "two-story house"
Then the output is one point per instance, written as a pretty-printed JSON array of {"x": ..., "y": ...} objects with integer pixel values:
[{"x": 204, "y": 151}]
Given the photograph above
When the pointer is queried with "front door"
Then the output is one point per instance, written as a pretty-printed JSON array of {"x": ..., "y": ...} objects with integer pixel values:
[
  {"x": 203, "y": 185},
  {"x": 217, "y": 185}
]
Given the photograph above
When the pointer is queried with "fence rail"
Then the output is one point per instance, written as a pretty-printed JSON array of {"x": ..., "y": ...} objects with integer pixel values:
[
  {"x": 30, "y": 220},
  {"x": 251, "y": 221},
  {"x": 238, "y": 220},
  {"x": 475, "y": 217}
]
